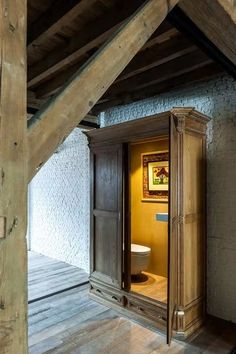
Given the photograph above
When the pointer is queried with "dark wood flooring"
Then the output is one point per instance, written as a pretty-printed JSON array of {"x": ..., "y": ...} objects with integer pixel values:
[{"x": 70, "y": 322}]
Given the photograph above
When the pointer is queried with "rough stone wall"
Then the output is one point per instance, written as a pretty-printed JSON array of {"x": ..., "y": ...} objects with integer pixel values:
[
  {"x": 216, "y": 98},
  {"x": 59, "y": 204}
]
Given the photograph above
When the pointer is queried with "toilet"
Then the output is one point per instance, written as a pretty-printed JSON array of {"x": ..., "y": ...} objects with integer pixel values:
[{"x": 140, "y": 256}]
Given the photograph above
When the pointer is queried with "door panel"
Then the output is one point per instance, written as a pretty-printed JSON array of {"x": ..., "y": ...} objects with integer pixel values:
[
  {"x": 173, "y": 228},
  {"x": 106, "y": 225},
  {"x": 106, "y": 179}
]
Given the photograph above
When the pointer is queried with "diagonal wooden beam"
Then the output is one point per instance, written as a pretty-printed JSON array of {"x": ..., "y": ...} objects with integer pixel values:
[
  {"x": 159, "y": 54},
  {"x": 217, "y": 20},
  {"x": 64, "y": 111},
  {"x": 173, "y": 68},
  {"x": 90, "y": 37},
  {"x": 154, "y": 55},
  {"x": 13, "y": 178}
]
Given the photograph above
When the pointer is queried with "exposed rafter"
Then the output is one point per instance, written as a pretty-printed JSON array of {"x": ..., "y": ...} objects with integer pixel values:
[
  {"x": 217, "y": 20},
  {"x": 76, "y": 41},
  {"x": 60, "y": 13},
  {"x": 205, "y": 72},
  {"x": 169, "y": 70},
  {"x": 154, "y": 53},
  {"x": 164, "y": 52},
  {"x": 62, "y": 113},
  {"x": 93, "y": 35}
]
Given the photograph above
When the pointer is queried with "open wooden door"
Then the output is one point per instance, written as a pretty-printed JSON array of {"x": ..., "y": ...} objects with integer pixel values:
[
  {"x": 173, "y": 227},
  {"x": 106, "y": 220}
]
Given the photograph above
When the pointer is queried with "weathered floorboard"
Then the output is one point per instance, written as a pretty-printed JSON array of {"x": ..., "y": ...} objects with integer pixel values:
[
  {"x": 47, "y": 276},
  {"x": 73, "y": 323},
  {"x": 13, "y": 178},
  {"x": 63, "y": 112}
]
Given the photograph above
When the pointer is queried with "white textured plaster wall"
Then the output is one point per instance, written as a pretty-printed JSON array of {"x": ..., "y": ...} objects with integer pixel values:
[
  {"x": 216, "y": 98},
  {"x": 59, "y": 204}
]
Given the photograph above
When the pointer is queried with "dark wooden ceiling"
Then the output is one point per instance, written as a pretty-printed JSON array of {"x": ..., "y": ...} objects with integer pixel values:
[{"x": 63, "y": 35}]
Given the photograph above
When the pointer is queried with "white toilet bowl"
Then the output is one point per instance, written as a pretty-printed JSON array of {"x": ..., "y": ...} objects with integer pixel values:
[{"x": 140, "y": 256}]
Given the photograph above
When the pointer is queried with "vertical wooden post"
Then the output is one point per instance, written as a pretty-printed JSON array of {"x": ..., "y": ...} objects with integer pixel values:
[{"x": 13, "y": 173}]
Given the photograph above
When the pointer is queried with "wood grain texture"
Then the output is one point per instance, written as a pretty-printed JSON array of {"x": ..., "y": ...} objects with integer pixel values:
[
  {"x": 106, "y": 227},
  {"x": 217, "y": 20},
  {"x": 84, "y": 326},
  {"x": 194, "y": 236},
  {"x": 173, "y": 230},
  {"x": 186, "y": 242},
  {"x": 153, "y": 53},
  {"x": 13, "y": 180},
  {"x": 47, "y": 275},
  {"x": 191, "y": 129},
  {"x": 156, "y": 55},
  {"x": 155, "y": 287},
  {"x": 94, "y": 33},
  {"x": 166, "y": 71},
  {"x": 61, "y": 114},
  {"x": 73, "y": 323},
  {"x": 55, "y": 18}
]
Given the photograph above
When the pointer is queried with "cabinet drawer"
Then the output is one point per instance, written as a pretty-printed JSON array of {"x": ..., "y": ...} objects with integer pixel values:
[
  {"x": 150, "y": 311},
  {"x": 108, "y": 294}
]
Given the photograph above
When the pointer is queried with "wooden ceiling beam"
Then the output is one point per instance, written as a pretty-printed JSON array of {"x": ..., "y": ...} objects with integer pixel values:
[
  {"x": 57, "y": 118},
  {"x": 199, "y": 74},
  {"x": 159, "y": 54},
  {"x": 58, "y": 15},
  {"x": 169, "y": 70},
  {"x": 217, "y": 20},
  {"x": 170, "y": 48},
  {"x": 88, "y": 38}
]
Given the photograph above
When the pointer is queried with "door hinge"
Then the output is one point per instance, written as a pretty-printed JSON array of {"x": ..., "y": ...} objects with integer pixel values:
[{"x": 179, "y": 313}]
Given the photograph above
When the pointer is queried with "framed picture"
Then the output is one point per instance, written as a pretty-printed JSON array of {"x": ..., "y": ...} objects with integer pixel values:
[
  {"x": 155, "y": 166},
  {"x": 158, "y": 176}
]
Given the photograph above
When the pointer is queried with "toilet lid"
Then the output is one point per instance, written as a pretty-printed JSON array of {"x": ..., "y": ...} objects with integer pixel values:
[{"x": 140, "y": 249}]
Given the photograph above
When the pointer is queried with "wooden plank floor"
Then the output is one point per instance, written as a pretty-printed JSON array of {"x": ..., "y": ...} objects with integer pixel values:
[
  {"x": 47, "y": 275},
  {"x": 154, "y": 286},
  {"x": 71, "y": 323}
]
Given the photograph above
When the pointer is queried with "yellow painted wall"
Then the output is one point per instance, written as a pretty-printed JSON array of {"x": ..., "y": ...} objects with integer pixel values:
[{"x": 145, "y": 230}]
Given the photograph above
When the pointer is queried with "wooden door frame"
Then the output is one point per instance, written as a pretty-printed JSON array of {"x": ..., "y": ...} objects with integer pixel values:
[
  {"x": 127, "y": 217},
  {"x": 145, "y": 139}
]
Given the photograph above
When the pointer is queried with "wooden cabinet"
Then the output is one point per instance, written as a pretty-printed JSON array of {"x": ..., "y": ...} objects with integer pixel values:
[{"x": 110, "y": 278}]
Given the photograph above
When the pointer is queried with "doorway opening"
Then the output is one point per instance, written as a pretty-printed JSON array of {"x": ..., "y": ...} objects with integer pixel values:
[{"x": 149, "y": 181}]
